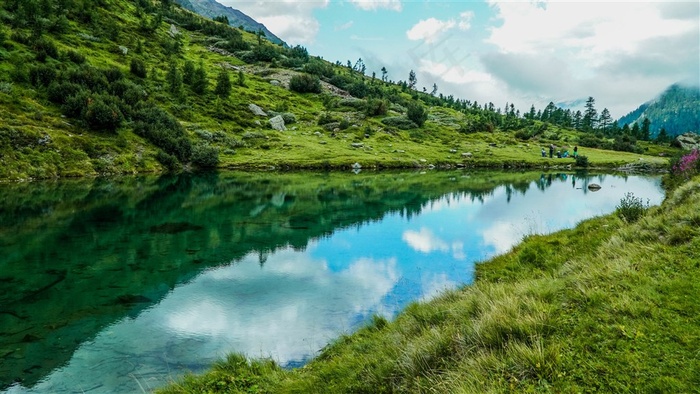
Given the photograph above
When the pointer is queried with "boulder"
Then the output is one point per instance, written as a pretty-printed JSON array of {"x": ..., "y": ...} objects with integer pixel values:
[
  {"x": 256, "y": 110},
  {"x": 277, "y": 123},
  {"x": 689, "y": 141},
  {"x": 594, "y": 187},
  {"x": 467, "y": 155}
]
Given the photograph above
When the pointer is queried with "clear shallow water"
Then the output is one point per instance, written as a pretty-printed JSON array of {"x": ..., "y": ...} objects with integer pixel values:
[{"x": 123, "y": 285}]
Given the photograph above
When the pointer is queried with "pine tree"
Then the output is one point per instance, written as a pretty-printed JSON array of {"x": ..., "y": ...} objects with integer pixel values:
[
  {"x": 412, "y": 80},
  {"x": 604, "y": 119},
  {"x": 644, "y": 133},
  {"x": 590, "y": 116},
  {"x": 223, "y": 84},
  {"x": 188, "y": 72},
  {"x": 199, "y": 80},
  {"x": 174, "y": 79}
]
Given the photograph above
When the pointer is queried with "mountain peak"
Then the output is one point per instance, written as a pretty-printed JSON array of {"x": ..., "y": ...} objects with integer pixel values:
[
  {"x": 675, "y": 110},
  {"x": 212, "y": 9}
]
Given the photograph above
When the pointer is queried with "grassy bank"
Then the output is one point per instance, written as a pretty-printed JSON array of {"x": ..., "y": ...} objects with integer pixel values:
[{"x": 608, "y": 306}]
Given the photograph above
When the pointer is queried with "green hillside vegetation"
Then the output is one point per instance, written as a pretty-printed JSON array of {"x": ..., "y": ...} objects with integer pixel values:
[
  {"x": 673, "y": 113},
  {"x": 609, "y": 306},
  {"x": 120, "y": 87}
]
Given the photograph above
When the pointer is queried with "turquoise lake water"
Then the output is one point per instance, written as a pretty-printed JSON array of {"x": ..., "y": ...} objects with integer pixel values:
[{"x": 122, "y": 285}]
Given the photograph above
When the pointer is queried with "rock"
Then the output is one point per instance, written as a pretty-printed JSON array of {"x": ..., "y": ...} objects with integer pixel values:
[
  {"x": 594, "y": 187},
  {"x": 357, "y": 145},
  {"x": 467, "y": 155},
  {"x": 453, "y": 150},
  {"x": 124, "y": 50},
  {"x": 689, "y": 141},
  {"x": 256, "y": 110},
  {"x": 275, "y": 82},
  {"x": 277, "y": 123},
  {"x": 174, "y": 32},
  {"x": 356, "y": 166},
  {"x": 318, "y": 134}
]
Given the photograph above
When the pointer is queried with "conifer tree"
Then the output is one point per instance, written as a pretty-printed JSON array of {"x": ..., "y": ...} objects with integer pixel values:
[
  {"x": 223, "y": 84},
  {"x": 199, "y": 80},
  {"x": 174, "y": 79}
]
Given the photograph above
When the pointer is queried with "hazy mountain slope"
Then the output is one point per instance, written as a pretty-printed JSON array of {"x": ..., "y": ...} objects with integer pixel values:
[
  {"x": 211, "y": 9},
  {"x": 677, "y": 110}
]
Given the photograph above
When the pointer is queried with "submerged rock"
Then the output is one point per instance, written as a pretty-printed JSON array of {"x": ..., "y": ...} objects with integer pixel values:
[{"x": 594, "y": 187}]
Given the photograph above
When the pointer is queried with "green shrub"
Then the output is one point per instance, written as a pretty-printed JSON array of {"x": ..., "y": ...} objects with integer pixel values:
[
  {"x": 325, "y": 118},
  {"x": 102, "y": 113},
  {"x": 168, "y": 161},
  {"x": 74, "y": 105},
  {"x": 522, "y": 135},
  {"x": 417, "y": 113},
  {"x": 42, "y": 75},
  {"x": 319, "y": 67},
  {"x": 400, "y": 122},
  {"x": 89, "y": 77},
  {"x": 138, "y": 68},
  {"x": 205, "y": 156},
  {"x": 377, "y": 107},
  {"x": 305, "y": 83},
  {"x": 59, "y": 92},
  {"x": 582, "y": 161},
  {"x": 75, "y": 57},
  {"x": 289, "y": 117},
  {"x": 341, "y": 81},
  {"x": 45, "y": 48},
  {"x": 631, "y": 208},
  {"x": 113, "y": 74},
  {"x": 358, "y": 89},
  {"x": 164, "y": 131},
  {"x": 590, "y": 141}
]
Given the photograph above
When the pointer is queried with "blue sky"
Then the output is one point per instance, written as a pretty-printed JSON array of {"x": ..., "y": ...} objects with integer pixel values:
[{"x": 525, "y": 52}]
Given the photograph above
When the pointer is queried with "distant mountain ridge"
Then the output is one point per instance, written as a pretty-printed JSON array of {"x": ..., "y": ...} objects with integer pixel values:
[
  {"x": 236, "y": 18},
  {"x": 677, "y": 110}
]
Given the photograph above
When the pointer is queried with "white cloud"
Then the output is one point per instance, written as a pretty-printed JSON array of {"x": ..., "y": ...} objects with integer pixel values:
[
  {"x": 344, "y": 26},
  {"x": 370, "y": 5},
  {"x": 424, "y": 241},
  {"x": 453, "y": 73},
  {"x": 465, "y": 20},
  {"x": 288, "y": 311},
  {"x": 569, "y": 50},
  {"x": 429, "y": 29},
  {"x": 292, "y": 21}
]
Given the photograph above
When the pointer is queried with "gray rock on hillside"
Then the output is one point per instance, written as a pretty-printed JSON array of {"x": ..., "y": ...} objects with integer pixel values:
[
  {"x": 689, "y": 141},
  {"x": 256, "y": 110},
  {"x": 277, "y": 123}
]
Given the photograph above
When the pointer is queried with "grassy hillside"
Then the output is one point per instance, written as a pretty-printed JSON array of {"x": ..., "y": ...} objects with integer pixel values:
[
  {"x": 116, "y": 86},
  {"x": 610, "y": 306}
]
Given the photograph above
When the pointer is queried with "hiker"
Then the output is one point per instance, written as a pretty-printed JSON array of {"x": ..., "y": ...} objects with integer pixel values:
[
  {"x": 558, "y": 154},
  {"x": 551, "y": 150},
  {"x": 575, "y": 151},
  {"x": 544, "y": 154},
  {"x": 565, "y": 154}
]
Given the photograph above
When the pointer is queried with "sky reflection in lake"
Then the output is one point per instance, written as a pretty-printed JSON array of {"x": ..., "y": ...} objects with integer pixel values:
[{"x": 288, "y": 303}]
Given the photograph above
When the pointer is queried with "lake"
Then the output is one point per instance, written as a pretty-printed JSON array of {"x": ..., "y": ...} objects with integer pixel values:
[{"x": 124, "y": 284}]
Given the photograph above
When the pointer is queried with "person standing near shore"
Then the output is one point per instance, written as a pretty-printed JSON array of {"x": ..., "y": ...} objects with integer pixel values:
[{"x": 551, "y": 150}]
